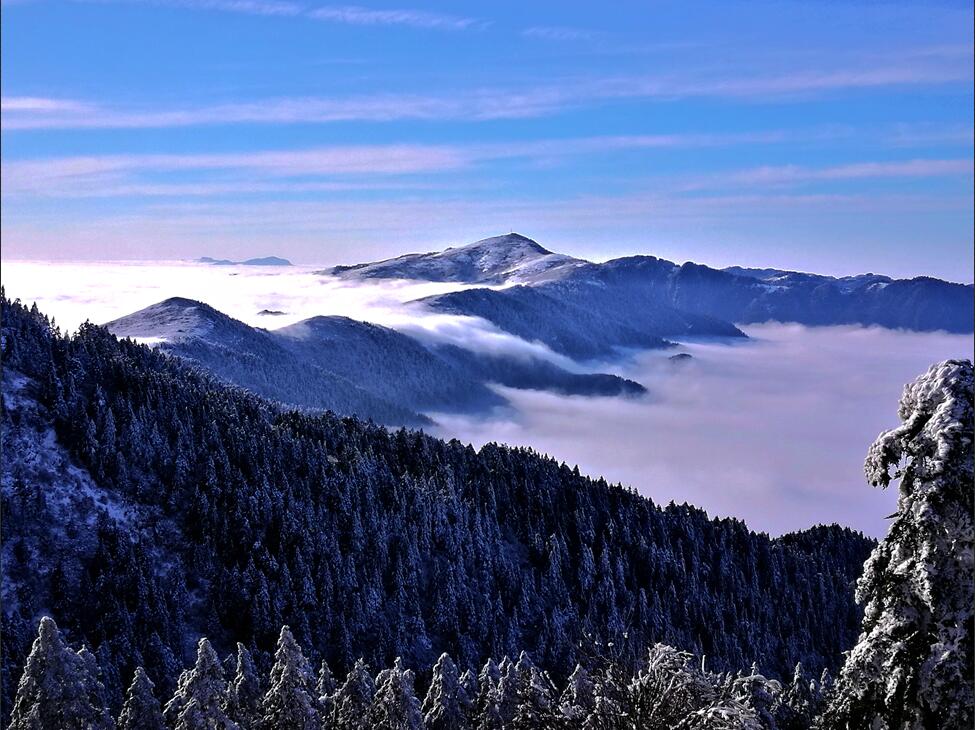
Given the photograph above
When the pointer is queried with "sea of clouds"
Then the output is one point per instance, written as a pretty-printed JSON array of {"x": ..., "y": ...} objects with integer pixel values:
[{"x": 773, "y": 430}]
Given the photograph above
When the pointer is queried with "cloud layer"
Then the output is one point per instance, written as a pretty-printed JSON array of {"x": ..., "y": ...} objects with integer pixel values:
[{"x": 773, "y": 431}]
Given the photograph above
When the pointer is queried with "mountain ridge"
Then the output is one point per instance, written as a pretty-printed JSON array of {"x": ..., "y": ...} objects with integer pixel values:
[{"x": 349, "y": 366}]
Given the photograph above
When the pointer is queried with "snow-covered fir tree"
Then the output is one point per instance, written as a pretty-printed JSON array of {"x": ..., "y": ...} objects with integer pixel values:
[
  {"x": 536, "y": 705},
  {"x": 505, "y": 700},
  {"x": 352, "y": 700},
  {"x": 324, "y": 688},
  {"x": 395, "y": 705},
  {"x": 244, "y": 690},
  {"x": 758, "y": 694},
  {"x": 291, "y": 702},
  {"x": 797, "y": 705},
  {"x": 446, "y": 705},
  {"x": 486, "y": 705},
  {"x": 56, "y": 688},
  {"x": 579, "y": 696},
  {"x": 200, "y": 695},
  {"x": 141, "y": 710},
  {"x": 912, "y": 666}
]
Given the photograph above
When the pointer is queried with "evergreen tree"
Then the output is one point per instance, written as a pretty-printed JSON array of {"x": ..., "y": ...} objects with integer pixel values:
[
  {"x": 758, "y": 694},
  {"x": 912, "y": 667},
  {"x": 486, "y": 710},
  {"x": 244, "y": 691},
  {"x": 141, "y": 710},
  {"x": 446, "y": 705},
  {"x": 325, "y": 689},
  {"x": 290, "y": 702},
  {"x": 352, "y": 700},
  {"x": 55, "y": 690},
  {"x": 579, "y": 696},
  {"x": 668, "y": 689},
  {"x": 395, "y": 705},
  {"x": 535, "y": 691},
  {"x": 200, "y": 695},
  {"x": 505, "y": 700},
  {"x": 797, "y": 705}
]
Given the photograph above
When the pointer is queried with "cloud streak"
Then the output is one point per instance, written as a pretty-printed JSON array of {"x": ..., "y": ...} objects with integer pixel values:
[
  {"x": 483, "y": 104},
  {"x": 358, "y": 15},
  {"x": 111, "y": 175},
  {"x": 346, "y": 14}
]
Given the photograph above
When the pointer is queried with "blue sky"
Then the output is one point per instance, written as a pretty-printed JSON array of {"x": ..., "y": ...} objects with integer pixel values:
[{"x": 829, "y": 136}]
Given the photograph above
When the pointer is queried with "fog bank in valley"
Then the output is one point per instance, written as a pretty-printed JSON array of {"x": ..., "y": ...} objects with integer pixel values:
[{"x": 773, "y": 430}]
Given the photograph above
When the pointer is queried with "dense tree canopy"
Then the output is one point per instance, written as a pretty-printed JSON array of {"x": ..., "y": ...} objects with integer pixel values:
[{"x": 147, "y": 505}]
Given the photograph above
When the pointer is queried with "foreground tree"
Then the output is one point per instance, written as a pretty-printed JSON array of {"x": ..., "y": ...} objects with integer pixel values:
[
  {"x": 912, "y": 666},
  {"x": 395, "y": 705},
  {"x": 290, "y": 702},
  {"x": 447, "y": 704},
  {"x": 56, "y": 688},
  {"x": 244, "y": 693},
  {"x": 199, "y": 700},
  {"x": 351, "y": 701},
  {"x": 141, "y": 710}
]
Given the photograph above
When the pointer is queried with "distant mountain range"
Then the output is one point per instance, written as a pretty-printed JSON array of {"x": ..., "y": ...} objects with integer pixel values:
[
  {"x": 348, "y": 366},
  {"x": 263, "y": 261},
  {"x": 588, "y": 310},
  {"x": 582, "y": 310}
]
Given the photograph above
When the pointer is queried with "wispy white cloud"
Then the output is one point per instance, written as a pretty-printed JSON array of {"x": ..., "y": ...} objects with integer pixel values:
[
  {"x": 559, "y": 33},
  {"x": 35, "y": 104},
  {"x": 483, "y": 104},
  {"x": 789, "y": 174},
  {"x": 348, "y": 14},
  {"x": 111, "y": 175},
  {"x": 358, "y": 15}
]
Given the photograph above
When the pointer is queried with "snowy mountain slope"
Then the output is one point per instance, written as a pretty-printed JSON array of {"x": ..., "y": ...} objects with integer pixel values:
[
  {"x": 511, "y": 258},
  {"x": 254, "y": 359},
  {"x": 348, "y": 366},
  {"x": 582, "y": 319},
  {"x": 58, "y": 505},
  {"x": 653, "y": 295}
]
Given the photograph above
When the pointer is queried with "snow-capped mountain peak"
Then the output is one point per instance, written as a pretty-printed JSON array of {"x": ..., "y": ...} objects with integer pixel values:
[{"x": 509, "y": 258}]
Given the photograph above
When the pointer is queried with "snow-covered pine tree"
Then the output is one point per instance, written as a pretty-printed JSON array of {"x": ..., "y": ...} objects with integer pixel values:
[
  {"x": 326, "y": 684},
  {"x": 324, "y": 689},
  {"x": 758, "y": 694},
  {"x": 486, "y": 713},
  {"x": 506, "y": 696},
  {"x": 351, "y": 701},
  {"x": 912, "y": 666},
  {"x": 536, "y": 696},
  {"x": 668, "y": 689},
  {"x": 395, "y": 705},
  {"x": 198, "y": 703},
  {"x": 244, "y": 691},
  {"x": 55, "y": 690},
  {"x": 446, "y": 705},
  {"x": 290, "y": 702},
  {"x": 578, "y": 698},
  {"x": 469, "y": 692},
  {"x": 141, "y": 710},
  {"x": 797, "y": 705}
]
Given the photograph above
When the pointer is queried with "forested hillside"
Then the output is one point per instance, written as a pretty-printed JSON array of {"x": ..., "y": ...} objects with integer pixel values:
[{"x": 145, "y": 505}]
